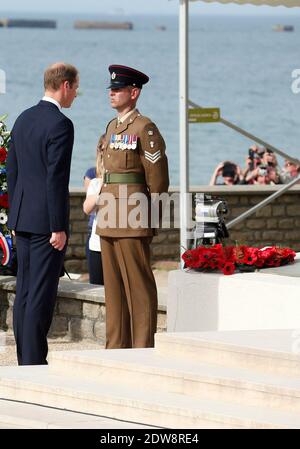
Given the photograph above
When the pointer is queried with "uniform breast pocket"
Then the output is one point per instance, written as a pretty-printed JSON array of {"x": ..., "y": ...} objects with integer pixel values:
[
  {"x": 131, "y": 159},
  {"x": 118, "y": 161}
]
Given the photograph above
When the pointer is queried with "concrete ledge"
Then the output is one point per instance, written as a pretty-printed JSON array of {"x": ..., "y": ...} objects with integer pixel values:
[
  {"x": 79, "y": 312},
  {"x": 267, "y": 299},
  {"x": 236, "y": 189},
  {"x": 240, "y": 189}
]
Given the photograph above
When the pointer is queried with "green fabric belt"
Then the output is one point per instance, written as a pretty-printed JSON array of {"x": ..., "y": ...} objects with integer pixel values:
[{"x": 124, "y": 178}]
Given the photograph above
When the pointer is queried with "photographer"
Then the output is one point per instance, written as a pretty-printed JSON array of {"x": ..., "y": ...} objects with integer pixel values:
[
  {"x": 289, "y": 172},
  {"x": 253, "y": 160},
  {"x": 265, "y": 174},
  {"x": 269, "y": 159},
  {"x": 230, "y": 172},
  {"x": 261, "y": 175}
]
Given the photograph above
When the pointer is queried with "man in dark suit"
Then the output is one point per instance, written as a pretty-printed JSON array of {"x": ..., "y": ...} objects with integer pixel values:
[{"x": 38, "y": 171}]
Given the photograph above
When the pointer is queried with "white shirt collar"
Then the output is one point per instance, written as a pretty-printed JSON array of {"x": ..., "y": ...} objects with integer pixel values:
[
  {"x": 51, "y": 100},
  {"x": 124, "y": 117}
]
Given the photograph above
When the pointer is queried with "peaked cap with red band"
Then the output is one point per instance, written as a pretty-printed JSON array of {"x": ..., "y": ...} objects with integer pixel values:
[{"x": 122, "y": 76}]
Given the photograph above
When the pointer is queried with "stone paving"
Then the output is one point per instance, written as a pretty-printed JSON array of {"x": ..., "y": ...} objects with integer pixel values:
[
  {"x": 8, "y": 352},
  {"x": 7, "y": 343}
]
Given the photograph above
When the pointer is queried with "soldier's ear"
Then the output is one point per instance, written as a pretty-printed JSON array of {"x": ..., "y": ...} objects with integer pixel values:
[{"x": 135, "y": 93}]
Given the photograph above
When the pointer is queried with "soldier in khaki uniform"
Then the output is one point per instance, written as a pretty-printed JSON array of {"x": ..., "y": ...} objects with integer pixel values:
[{"x": 134, "y": 163}]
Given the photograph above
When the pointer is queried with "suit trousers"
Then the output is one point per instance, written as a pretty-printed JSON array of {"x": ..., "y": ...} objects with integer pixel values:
[
  {"x": 39, "y": 267},
  {"x": 130, "y": 292}
]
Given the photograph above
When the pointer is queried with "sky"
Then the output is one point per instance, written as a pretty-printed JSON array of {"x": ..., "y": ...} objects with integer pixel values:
[{"x": 139, "y": 7}]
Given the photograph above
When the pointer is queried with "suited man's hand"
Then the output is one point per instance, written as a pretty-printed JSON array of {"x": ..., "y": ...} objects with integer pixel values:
[{"x": 58, "y": 240}]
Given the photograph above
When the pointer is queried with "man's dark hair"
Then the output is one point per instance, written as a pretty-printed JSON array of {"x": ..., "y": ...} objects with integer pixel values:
[{"x": 229, "y": 169}]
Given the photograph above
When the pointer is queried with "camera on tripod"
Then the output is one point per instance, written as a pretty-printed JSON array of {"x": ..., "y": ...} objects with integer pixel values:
[{"x": 210, "y": 225}]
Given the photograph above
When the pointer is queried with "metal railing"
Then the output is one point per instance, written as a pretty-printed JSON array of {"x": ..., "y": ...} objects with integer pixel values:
[
  {"x": 281, "y": 153},
  {"x": 263, "y": 203}
]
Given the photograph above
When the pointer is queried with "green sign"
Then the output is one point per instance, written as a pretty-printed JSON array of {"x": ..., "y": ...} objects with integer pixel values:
[{"x": 204, "y": 115}]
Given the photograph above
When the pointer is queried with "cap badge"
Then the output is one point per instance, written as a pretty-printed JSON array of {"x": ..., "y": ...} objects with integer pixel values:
[{"x": 113, "y": 76}]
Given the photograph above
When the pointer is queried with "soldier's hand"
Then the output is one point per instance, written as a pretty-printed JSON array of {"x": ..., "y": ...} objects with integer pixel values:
[{"x": 58, "y": 240}]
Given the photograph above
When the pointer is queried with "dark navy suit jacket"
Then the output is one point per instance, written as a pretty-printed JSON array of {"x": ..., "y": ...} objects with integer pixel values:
[{"x": 38, "y": 170}]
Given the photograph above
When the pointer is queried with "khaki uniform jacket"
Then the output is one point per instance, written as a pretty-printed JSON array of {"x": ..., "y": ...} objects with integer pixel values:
[{"x": 148, "y": 159}]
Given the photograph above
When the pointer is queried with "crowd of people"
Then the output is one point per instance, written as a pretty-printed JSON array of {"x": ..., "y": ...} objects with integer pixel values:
[{"x": 261, "y": 168}]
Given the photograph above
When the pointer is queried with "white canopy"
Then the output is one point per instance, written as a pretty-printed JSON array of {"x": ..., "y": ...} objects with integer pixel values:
[
  {"x": 288, "y": 3},
  {"x": 184, "y": 97}
]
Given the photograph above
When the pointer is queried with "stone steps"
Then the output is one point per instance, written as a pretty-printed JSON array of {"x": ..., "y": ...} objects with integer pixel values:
[
  {"x": 268, "y": 351},
  {"x": 244, "y": 379},
  {"x": 147, "y": 367},
  {"x": 18, "y": 415},
  {"x": 167, "y": 410}
]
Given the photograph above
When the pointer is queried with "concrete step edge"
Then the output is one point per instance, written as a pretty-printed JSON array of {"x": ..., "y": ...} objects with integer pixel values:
[
  {"x": 175, "y": 339},
  {"x": 174, "y": 405},
  {"x": 62, "y": 362}
]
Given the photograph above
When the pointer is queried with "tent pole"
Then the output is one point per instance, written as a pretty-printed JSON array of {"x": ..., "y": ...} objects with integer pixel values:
[{"x": 183, "y": 121}]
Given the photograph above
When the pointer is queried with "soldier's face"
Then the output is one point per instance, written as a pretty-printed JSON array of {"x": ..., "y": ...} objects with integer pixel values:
[{"x": 123, "y": 97}]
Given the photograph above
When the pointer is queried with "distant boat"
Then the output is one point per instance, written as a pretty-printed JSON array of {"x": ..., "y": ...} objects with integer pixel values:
[
  {"x": 27, "y": 23},
  {"x": 283, "y": 28},
  {"x": 161, "y": 28},
  {"x": 95, "y": 25}
]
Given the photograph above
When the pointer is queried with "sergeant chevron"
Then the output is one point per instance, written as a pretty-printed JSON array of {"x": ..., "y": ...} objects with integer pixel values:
[{"x": 153, "y": 157}]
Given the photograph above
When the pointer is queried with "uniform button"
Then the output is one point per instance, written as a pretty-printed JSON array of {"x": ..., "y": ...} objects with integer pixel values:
[
  {"x": 105, "y": 185},
  {"x": 108, "y": 155},
  {"x": 106, "y": 171}
]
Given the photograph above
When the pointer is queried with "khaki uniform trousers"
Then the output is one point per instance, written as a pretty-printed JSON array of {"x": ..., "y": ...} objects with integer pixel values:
[{"x": 130, "y": 292}]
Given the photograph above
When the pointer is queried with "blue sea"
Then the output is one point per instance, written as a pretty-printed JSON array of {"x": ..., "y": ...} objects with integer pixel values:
[{"x": 236, "y": 63}]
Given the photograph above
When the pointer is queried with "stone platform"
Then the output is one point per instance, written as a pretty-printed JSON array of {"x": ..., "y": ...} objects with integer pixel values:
[
  {"x": 266, "y": 299},
  {"x": 80, "y": 308},
  {"x": 247, "y": 379}
]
